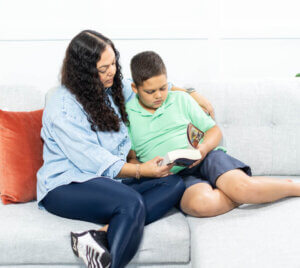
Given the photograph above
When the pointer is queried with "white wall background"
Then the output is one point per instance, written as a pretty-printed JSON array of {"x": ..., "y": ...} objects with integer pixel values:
[{"x": 198, "y": 39}]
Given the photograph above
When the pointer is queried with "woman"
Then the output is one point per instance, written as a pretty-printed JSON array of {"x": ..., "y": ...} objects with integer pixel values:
[{"x": 85, "y": 148}]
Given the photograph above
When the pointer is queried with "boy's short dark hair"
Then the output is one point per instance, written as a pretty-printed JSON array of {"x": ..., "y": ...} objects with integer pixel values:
[{"x": 146, "y": 65}]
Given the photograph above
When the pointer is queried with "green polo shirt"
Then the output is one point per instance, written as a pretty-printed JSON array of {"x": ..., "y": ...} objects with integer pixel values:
[{"x": 156, "y": 134}]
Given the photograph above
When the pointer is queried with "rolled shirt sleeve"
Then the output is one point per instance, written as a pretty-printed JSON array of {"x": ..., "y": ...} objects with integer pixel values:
[{"x": 81, "y": 146}]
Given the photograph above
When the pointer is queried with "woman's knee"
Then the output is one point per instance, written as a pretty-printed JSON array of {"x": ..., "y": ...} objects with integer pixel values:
[
  {"x": 178, "y": 183},
  {"x": 133, "y": 206},
  {"x": 175, "y": 183}
]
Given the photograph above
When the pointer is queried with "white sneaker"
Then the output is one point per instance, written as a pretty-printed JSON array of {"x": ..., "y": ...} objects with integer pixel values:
[{"x": 92, "y": 251}]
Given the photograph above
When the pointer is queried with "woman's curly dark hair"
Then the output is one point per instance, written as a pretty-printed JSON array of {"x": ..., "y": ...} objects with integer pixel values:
[{"x": 80, "y": 76}]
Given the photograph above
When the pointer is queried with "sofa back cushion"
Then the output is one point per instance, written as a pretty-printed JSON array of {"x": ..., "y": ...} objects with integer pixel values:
[
  {"x": 20, "y": 155},
  {"x": 260, "y": 122},
  {"x": 21, "y": 98}
]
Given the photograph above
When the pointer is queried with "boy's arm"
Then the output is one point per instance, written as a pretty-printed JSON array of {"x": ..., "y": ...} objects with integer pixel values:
[
  {"x": 203, "y": 102},
  {"x": 211, "y": 140}
]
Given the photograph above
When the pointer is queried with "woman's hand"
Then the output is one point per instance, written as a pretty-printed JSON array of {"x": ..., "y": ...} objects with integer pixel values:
[{"x": 151, "y": 168}]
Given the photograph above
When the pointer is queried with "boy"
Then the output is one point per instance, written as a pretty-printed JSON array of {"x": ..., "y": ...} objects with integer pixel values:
[{"x": 158, "y": 121}]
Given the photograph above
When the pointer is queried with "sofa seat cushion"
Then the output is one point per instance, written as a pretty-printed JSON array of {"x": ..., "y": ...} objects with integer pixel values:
[
  {"x": 29, "y": 235},
  {"x": 265, "y": 235}
]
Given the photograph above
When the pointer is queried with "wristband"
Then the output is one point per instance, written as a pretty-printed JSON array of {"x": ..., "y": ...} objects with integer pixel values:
[{"x": 138, "y": 171}]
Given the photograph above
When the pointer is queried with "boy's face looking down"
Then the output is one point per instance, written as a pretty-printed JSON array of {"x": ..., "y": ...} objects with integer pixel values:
[{"x": 153, "y": 92}]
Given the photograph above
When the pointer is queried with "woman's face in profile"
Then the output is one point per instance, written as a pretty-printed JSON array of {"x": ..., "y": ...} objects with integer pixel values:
[{"x": 107, "y": 67}]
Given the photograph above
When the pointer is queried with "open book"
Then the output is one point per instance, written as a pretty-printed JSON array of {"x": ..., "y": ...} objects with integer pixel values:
[{"x": 186, "y": 157}]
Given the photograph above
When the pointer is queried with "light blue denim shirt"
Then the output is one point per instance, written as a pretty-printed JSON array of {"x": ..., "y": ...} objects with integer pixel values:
[{"x": 72, "y": 152}]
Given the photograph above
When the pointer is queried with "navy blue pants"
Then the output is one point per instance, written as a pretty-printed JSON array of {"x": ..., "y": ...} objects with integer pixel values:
[{"x": 127, "y": 207}]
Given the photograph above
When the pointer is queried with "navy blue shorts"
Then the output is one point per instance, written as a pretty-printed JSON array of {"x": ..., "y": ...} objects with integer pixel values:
[{"x": 211, "y": 168}]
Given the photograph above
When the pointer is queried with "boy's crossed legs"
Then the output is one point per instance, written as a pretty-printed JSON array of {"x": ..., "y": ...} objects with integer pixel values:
[
  {"x": 201, "y": 200},
  {"x": 233, "y": 187}
]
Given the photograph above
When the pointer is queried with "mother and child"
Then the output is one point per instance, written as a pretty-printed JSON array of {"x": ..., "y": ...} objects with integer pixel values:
[{"x": 103, "y": 141}]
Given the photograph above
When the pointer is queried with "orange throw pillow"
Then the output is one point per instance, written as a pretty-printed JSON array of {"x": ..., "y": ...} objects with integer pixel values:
[{"x": 21, "y": 150}]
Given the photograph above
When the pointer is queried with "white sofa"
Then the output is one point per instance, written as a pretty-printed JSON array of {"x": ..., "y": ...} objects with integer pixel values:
[{"x": 260, "y": 121}]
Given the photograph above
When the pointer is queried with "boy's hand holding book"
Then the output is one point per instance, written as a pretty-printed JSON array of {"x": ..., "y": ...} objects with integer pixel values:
[
  {"x": 187, "y": 157},
  {"x": 203, "y": 151}
]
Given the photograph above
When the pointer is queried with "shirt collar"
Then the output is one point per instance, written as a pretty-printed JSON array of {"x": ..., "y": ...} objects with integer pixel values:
[{"x": 108, "y": 90}]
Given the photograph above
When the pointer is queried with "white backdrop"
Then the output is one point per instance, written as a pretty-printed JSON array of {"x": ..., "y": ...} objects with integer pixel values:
[{"x": 198, "y": 39}]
